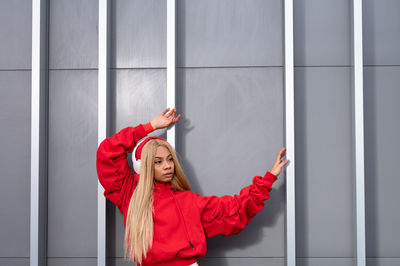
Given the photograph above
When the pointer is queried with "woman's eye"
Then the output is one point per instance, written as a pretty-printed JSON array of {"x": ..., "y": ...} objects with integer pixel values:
[
  {"x": 171, "y": 159},
  {"x": 157, "y": 162}
]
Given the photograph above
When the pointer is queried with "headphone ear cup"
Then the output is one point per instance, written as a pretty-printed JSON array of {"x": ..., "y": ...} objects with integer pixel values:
[{"x": 136, "y": 165}]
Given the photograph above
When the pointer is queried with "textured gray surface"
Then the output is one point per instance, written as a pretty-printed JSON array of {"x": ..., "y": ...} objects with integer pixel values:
[
  {"x": 137, "y": 96},
  {"x": 322, "y": 32},
  {"x": 72, "y": 177},
  {"x": 116, "y": 231},
  {"x": 383, "y": 261},
  {"x": 382, "y": 129},
  {"x": 381, "y": 32},
  {"x": 73, "y": 37},
  {"x": 231, "y": 130},
  {"x": 16, "y": 34},
  {"x": 325, "y": 262},
  {"x": 15, "y": 131},
  {"x": 324, "y": 185},
  {"x": 138, "y": 33},
  {"x": 14, "y": 261},
  {"x": 120, "y": 262},
  {"x": 241, "y": 261},
  {"x": 72, "y": 262},
  {"x": 229, "y": 33}
]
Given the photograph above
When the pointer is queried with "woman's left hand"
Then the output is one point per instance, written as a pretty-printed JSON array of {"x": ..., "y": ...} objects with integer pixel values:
[
  {"x": 278, "y": 164},
  {"x": 165, "y": 119}
]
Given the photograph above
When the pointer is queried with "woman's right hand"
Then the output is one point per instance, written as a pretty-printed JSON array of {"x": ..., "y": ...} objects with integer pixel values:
[
  {"x": 165, "y": 119},
  {"x": 279, "y": 162}
]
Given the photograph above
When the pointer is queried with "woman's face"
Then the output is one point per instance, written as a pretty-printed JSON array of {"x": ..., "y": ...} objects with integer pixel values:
[{"x": 164, "y": 167}]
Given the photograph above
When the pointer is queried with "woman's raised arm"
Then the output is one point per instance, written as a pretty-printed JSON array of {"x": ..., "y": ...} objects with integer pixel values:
[
  {"x": 113, "y": 170},
  {"x": 229, "y": 215}
]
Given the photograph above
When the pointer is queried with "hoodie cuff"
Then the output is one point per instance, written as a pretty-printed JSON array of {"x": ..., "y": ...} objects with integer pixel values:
[
  {"x": 270, "y": 179},
  {"x": 148, "y": 128}
]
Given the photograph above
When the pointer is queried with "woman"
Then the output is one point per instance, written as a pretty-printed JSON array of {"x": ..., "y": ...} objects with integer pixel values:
[{"x": 165, "y": 222}]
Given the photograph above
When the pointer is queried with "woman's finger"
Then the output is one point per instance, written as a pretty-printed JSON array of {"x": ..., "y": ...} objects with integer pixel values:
[
  {"x": 283, "y": 163},
  {"x": 281, "y": 153},
  {"x": 172, "y": 113},
  {"x": 176, "y": 119},
  {"x": 165, "y": 111},
  {"x": 168, "y": 115}
]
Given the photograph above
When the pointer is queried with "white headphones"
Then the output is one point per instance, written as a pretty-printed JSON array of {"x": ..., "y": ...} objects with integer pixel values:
[{"x": 136, "y": 163}]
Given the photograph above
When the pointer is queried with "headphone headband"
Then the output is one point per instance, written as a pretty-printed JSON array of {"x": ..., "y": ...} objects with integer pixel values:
[{"x": 140, "y": 144}]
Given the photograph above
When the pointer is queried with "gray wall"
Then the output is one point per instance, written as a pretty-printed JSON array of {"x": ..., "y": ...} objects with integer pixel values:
[
  {"x": 230, "y": 91},
  {"x": 15, "y": 131},
  {"x": 325, "y": 205},
  {"x": 72, "y": 143},
  {"x": 382, "y": 128}
]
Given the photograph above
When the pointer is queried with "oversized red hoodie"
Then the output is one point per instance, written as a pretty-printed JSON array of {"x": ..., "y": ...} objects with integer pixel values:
[{"x": 182, "y": 219}]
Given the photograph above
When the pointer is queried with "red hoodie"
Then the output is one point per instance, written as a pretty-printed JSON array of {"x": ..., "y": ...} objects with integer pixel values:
[{"x": 182, "y": 219}]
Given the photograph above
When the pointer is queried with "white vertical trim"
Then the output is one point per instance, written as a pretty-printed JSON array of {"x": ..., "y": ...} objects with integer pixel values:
[
  {"x": 359, "y": 129},
  {"x": 38, "y": 135},
  {"x": 35, "y": 130},
  {"x": 289, "y": 111},
  {"x": 103, "y": 80},
  {"x": 171, "y": 64}
]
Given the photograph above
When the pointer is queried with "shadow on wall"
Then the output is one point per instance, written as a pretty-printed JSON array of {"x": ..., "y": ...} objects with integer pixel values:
[{"x": 253, "y": 232}]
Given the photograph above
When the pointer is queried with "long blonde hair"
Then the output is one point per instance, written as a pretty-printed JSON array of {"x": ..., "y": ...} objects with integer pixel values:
[{"x": 139, "y": 220}]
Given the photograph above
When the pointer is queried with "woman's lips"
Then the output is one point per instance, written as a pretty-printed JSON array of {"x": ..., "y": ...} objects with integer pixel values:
[{"x": 168, "y": 175}]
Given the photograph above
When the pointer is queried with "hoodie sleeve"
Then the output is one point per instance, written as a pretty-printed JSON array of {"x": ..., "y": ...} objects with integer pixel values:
[
  {"x": 228, "y": 215},
  {"x": 113, "y": 170}
]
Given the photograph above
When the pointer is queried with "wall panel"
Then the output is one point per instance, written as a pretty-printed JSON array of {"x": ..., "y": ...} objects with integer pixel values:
[
  {"x": 16, "y": 32},
  {"x": 137, "y": 96},
  {"x": 72, "y": 262},
  {"x": 325, "y": 262},
  {"x": 229, "y": 33},
  {"x": 72, "y": 176},
  {"x": 383, "y": 261},
  {"x": 381, "y": 158},
  {"x": 15, "y": 131},
  {"x": 14, "y": 261},
  {"x": 325, "y": 206},
  {"x": 322, "y": 32},
  {"x": 73, "y": 27},
  {"x": 381, "y": 24},
  {"x": 138, "y": 33},
  {"x": 242, "y": 261}
]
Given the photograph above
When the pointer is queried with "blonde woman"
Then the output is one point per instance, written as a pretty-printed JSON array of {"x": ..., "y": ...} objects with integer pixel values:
[{"x": 165, "y": 222}]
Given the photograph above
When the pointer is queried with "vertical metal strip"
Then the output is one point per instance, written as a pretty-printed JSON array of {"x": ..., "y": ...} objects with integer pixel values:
[
  {"x": 35, "y": 131},
  {"x": 171, "y": 64},
  {"x": 289, "y": 110},
  {"x": 103, "y": 81},
  {"x": 359, "y": 129},
  {"x": 38, "y": 213}
]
